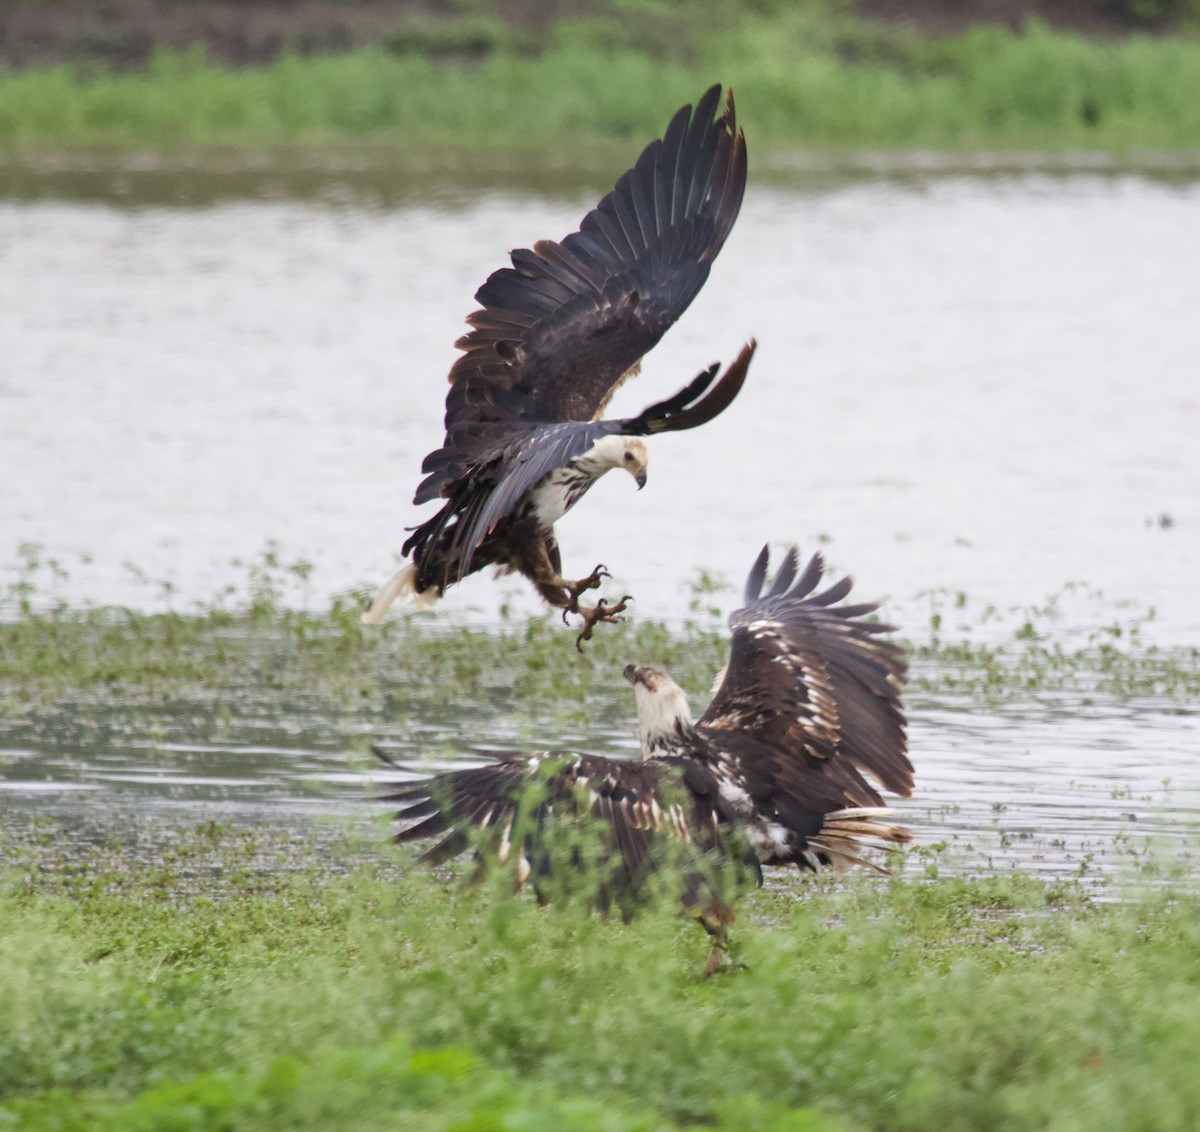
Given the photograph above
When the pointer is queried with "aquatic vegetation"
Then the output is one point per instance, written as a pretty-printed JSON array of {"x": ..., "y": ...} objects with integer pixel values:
[
  {"x": 309, "y": 997},
  {"x": 251, "y": 644},
  {"x": 992, "y": 654},
  {"x": 805, "y": 75}
]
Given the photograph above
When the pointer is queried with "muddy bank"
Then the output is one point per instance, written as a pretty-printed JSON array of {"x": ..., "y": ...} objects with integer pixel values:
[{"x": 125, "y": 33}]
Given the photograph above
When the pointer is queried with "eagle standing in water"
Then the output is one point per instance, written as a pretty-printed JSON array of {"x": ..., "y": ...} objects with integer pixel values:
[
  {"x": 557, "y": 334},
  {"x": 773, "y": 772}
]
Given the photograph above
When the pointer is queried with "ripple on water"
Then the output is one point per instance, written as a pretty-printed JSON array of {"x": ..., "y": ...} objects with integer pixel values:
[{"x": 1089, "y": 789}]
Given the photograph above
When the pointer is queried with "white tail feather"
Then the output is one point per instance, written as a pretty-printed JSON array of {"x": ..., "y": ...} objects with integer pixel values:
[
  {"x": 846, "y": 833},
  {"x": 402, "y": 587}
]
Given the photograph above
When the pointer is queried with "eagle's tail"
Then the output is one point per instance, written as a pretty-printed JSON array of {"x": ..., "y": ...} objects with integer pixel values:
[
  {"x": 846, "y": 833},
  {"x": 402, "y": 587}
]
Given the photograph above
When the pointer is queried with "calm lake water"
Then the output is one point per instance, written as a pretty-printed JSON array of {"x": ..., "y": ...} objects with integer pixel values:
[{"x": 978, "y": 381}]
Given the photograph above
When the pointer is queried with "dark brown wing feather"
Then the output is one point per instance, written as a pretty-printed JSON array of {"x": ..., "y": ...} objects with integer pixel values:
[
  {"x": 440, "y": 806},
  {"x": 560, "y": 328},
  {"x": 480, "y": 497},
  {"x": 688, "y": 409},
  {"x": 627, "y": 796},
  {"x": 810, "y": 679}
]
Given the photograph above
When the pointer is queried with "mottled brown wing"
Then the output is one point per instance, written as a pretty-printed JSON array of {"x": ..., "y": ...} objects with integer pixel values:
[
  {"x": 560, "y": 328},
  {"x": 811, "y": 682},
  {"x": 627, "y": 796},
  {"x": 447, "y": 804}
]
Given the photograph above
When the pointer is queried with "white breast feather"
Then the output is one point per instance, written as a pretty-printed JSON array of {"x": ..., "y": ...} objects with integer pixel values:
[{"x": 557, "y": 493}]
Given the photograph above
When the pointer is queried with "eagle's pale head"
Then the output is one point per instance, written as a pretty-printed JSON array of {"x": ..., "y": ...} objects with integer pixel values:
[
  {"x": 628, "y": 452},
  {"x": 664, "y": 716},
  {"x": 635, "y": 459}
]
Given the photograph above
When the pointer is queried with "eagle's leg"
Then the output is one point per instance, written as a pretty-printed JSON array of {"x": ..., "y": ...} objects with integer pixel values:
[
  {"x": 724, "y": 952},
  {"x": 715, "y": 961},
  {"x": 540, "y": 563},
  {"x": 593, "y": 615},
  {"x": 553, "y": 593}
]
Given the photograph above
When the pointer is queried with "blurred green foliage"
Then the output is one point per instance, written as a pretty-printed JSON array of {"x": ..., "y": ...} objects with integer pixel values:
[
  {"x": 309, "y": 999},
  {"x": 809, "y": 74},
  {"x": 1153, "y": 13}
]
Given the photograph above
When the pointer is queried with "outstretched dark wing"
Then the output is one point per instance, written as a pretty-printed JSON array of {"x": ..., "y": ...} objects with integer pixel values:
[
  {"x": 512, "y": 797},
  {"x": 687, "y": 408},
  {"x": 812, "y": 689},
  {"x": 559, "y": 329},
  {"x": 517, "y": 460}
]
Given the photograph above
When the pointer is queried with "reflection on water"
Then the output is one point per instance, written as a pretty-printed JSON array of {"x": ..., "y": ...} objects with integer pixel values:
[{"x": 980, "y": 382}]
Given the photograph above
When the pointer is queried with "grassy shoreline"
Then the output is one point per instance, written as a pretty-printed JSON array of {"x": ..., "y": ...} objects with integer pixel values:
[
  {"x": 803, "y": 79},
  {"x": 377, "y": 1000},
  {"x": 252, "y": 642}
]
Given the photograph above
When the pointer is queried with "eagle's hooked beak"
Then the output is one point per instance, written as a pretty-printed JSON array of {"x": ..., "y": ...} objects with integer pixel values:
[
  {"x": 630, "y": 673},
  {"x": 640, "y": 479}
]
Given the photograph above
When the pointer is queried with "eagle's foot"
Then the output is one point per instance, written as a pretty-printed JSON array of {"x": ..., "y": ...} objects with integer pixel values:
[
  {"x": 577, "y": 589},
  {"x": 601, "y": 611},
  {"x": 724, "y": 955},
  {"x": 715, "y": 961}
]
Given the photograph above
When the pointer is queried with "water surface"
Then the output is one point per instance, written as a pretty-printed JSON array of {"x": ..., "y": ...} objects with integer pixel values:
[
  {"x": 985, "y": 383},
  {"x": 1055, "y": 787}
]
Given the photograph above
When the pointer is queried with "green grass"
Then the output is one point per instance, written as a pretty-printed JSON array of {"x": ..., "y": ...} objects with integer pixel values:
[
  {"x": 377, "y": 1001},
  {"x": 805, "y": 76}
]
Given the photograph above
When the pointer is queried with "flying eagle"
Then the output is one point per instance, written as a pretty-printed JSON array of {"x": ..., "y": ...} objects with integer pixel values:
[
  {"x": 773, "y": 773},
  {"x": 557, "y": 334}
]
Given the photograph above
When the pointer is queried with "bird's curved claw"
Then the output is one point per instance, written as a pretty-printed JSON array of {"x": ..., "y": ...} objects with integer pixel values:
[
  {"x": 579, "y": 588},
  {"x": 602, "y": 611}
]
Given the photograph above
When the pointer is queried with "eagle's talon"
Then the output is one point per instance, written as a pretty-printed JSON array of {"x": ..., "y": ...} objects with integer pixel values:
[
  {"x": 577, "y": 589},
  {"x": 601, "y": 611}
]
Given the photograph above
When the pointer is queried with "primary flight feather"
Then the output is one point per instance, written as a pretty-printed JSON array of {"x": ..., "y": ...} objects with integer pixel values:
[{"x": 556, "y": 335}]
